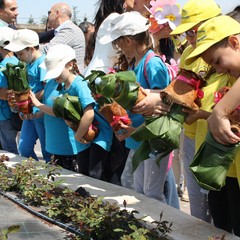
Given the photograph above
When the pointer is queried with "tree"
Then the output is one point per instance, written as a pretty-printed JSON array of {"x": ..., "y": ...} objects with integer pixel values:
[
  {"x": 31, "y": 20},
  {"x": 75, "y": 18},
  {"x": 44, "y": 19}
]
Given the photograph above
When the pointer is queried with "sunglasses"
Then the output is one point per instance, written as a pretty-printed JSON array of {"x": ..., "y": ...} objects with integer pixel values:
[{"x": 192, "y": 32}]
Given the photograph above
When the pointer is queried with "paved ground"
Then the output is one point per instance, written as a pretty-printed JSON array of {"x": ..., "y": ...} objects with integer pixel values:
[{"x": 31, "y": 227}]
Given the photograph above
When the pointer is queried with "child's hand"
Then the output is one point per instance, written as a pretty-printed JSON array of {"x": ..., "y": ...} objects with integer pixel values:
[
  {"x": 11, "y": 99},
  {"x": 72, "y": 125},
  {"x": 160, "y": 109},
  {"x": 220, "y": 127},
  {"x": 34, "y": 100},
  {"x": 81, "y": 139},
  {"x": 29, "y": 116},
  {"x": 194, "y": 115},
  {"x": 125, "y": 132},
  {"x": 151, "y": 105}
]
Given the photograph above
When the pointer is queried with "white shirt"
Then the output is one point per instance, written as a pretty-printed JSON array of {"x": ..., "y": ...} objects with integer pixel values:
[{"x": 104, "y": 55}]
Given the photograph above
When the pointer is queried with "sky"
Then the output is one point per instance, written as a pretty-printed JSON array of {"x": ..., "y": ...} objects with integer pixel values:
[{"x": 87, "y": 8}]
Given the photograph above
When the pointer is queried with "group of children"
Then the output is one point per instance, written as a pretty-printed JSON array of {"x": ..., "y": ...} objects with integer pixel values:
[{"x": 213, "y": 53}]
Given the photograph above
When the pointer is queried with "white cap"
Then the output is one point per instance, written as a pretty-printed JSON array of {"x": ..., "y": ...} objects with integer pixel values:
[
  {"x": 6, "y": 35},
  {"x": 22, "y": 39},
  {"x": 125, "y": 24},
  {"x": 57, "y": 57}
]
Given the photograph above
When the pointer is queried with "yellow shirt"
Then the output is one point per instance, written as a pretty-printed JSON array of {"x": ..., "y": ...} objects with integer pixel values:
[
  {"x": 198, "y": 130},
  {"x": 214, "y": 83},
  {"x": 199, "y": 66}
]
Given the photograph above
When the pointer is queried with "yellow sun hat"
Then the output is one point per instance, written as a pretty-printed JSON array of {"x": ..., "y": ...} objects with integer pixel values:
[
  {"x": 196, "y": 11},
  {"x": 212, "y": 32}
]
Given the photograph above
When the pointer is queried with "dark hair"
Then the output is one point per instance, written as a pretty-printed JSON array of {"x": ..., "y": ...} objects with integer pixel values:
[
  {"x": 85, "y": 26},
  {"x": 140, "y": 38},
  {"x": 105, "y": 8},
  {"x": 35, "y": 47},
  {"x": 235, "y": 14},
  {"x": 166, "y": 47},
  {"x": 143, "y": 38},
  {"x": 2, "y": 4}
]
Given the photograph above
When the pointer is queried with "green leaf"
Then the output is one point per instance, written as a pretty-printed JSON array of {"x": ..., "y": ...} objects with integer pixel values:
[
  {"x": 68, "y": 108},
  {"x": 128, "y": 76},
  {"x": 211, "y": 163},
  {"x": 128, "y": 96},
  {"x": 11, "y": 229},
  {"x": 17, "y": 77},
  {"x": 106, "y": 85},
  {"x": 121, "y": 86}
]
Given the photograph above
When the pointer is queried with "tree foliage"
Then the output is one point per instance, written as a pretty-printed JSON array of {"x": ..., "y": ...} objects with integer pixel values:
[{"x": 31, "y": 20}]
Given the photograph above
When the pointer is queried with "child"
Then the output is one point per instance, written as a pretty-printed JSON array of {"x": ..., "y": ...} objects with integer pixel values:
[
  {"x": 195, "y": 12},
  {"x": 129, "y": 33},
  {"x": 61, "y": 66},
  {"x": 220, "y": 48},
  {"x": 7, "y": 132},
  {"x": 26, "y": 45}
]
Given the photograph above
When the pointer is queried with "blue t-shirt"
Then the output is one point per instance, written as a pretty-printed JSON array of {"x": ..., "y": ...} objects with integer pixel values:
[
  {"x": 158, "y": 78},
  {"x": 36, "y": 76},
  {"x": 80, "y": 88},
  {"x": 59, "y": 137},
  {"x": 5, "y": 111}
]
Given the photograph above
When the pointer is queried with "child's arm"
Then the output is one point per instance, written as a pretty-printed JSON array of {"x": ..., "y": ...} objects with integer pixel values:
[
  {"x": 125, "y": 132},
  {"x": 218, "y": 122},
  {"x": 85, "y": 122},
  {"x": 152, "y": 104},
  {"x": 39, "y": 95},
  {"x": 4, "y": 93},
  {"x": 193, "y": 116},
  {"x": 44, "y": 108}
]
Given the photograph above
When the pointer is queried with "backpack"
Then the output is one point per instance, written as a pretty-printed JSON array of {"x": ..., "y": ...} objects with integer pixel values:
[{"x": 172, "y": 68}]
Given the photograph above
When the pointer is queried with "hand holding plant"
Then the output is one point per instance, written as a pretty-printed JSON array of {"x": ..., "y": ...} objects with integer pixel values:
[
  {"x": 69, "y": 108},
  {"x": 18, "y": 86}
]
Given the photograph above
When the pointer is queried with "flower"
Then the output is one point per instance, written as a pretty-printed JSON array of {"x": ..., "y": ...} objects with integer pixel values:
[
  {"x": 160, "y": 3},
  {"x": 165, "y": 12},
  {"x": 169, "y": 14}
]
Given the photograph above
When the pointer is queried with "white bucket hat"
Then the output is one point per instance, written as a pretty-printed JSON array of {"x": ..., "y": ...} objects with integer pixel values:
[
  {"x": 125, "y": 24},
  {"x": 22, "y": 39},
  {"x": 57, "y": 57},
  {"x": 6, "y": 35}
]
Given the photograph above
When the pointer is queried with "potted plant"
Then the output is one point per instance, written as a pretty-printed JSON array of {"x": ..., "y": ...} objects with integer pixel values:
[
  {"x": 69, "y": 108},
  {"x": 18, "y": 86}
]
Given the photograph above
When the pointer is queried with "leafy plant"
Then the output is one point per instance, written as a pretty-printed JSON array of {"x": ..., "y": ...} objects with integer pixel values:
[
  {"x": 11, "y": 229},
  {"x": 95, "y": 218},
  {"x": 17, "y": 76}
]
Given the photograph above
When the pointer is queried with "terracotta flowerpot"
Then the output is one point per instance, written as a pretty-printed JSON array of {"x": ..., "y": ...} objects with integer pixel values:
[
  {"x": 23, "y": 101},
  {"x": 11, "y": 99},
  {"x": 91, "y": 133},
  {"x": 115, "y": 114},
  {"x": 141, "y": 96}
]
